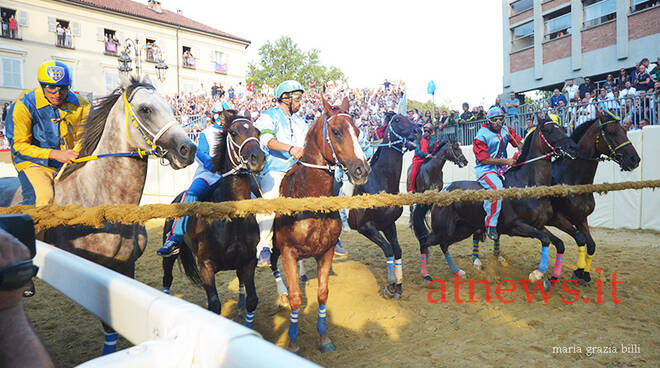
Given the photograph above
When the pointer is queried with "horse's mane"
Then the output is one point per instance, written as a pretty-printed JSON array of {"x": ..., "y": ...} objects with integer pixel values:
[
  {"x": 96, "y": 124},
  {"x": 220, "y": 148},
  {"x": 579, "y": 132},
  {"x": 527, "y": 147}
]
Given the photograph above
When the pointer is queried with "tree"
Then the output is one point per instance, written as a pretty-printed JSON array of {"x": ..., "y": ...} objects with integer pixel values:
[{"x": 283, "y": 60}]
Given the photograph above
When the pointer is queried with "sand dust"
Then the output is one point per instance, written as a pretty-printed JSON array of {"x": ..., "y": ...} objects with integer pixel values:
[{"x": 370, "y": 330}]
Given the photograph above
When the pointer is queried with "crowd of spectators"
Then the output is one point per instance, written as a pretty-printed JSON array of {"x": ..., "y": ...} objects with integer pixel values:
[{"x": 64, "y": 35}]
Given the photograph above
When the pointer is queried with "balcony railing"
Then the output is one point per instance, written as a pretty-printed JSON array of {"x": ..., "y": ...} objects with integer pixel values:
[
  {"x": 189, "y": 62},
  {"x": 221, "y": 68}
]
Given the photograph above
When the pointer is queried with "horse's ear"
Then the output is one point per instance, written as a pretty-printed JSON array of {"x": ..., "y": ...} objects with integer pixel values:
[
  {"x": 124, "y": 81},
  {"x": 146, "y": 80},
  {"x": 599, "y": 113},
  {"x": 229, "y": 115},
  {"x": 326, "y": 105},
  {"x": 344, "y": 104}
]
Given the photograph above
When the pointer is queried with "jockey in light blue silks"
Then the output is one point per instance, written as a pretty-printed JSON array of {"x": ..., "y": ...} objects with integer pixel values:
[
  {"x": 283, "y": 132},
  {"x": 489, "y": 148},
  {"x": 203, "y": 181}
]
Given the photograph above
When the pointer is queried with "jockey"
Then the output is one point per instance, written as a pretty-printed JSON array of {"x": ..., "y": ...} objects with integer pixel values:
[
  {"x": 423, "y": 151},
  {"x": 203, "y": 181},
  {"x": 283, "y": 133},
  {"x": 489, "y": 148},
  {"x": 44, "y": 126}
]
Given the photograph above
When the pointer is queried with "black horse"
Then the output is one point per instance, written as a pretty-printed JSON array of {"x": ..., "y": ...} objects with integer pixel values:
[
  {"x": 385, "y": 176},
  {"x": 226, "y": 245},
  {"x": 429, "y": 176},
  {"x": 603, "y": 136},
  {"x": 520, "y": 217}
]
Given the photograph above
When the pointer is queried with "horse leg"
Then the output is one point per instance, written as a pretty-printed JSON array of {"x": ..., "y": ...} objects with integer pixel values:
[
  {"x": 282, "y": 291},
  {"x": 390, "y": 234},
  {"x": 528, "y": 231},
  {"x": 450, "y": 262},
  {"x": 207, "y": 274},
  {"x": 423, "y": 253},
  {"x": 563, "y": 224},
  {"x": 371, "y": 233},
  {"x": 247, "y": 278},
  {"x": 556, "y": 271},
  {"x": 110, "y": 342},
  {"x": 475, "y": 252},
  {"x": 295, "y": 296},
  {"x": 591, "y": 249},
  {"x": 324, "y": 262},
  {"x": 241, "y": 292},
  {"x": 168, "y": 266},
  {"x": 303, "y": 275}
]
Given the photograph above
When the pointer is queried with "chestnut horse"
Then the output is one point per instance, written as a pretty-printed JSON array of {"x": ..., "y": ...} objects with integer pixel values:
[
  {"x": 332, "y": 141},
  {"x": 227, "y": 244}
]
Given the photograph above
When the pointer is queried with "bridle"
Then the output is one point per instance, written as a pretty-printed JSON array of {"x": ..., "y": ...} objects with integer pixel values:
[
  {"x": 239, "y": 165},
  {"x": 612, "y": 156},
  {"x": 400, "y": 140},
  {"x": 553, "y": 151},
  {"x": 326, "y": 138}
]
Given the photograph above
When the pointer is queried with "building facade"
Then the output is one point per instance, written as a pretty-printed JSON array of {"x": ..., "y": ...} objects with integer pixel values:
[
  {"x": 88, "y": 35},
  {"x": 547, "y": 42}
]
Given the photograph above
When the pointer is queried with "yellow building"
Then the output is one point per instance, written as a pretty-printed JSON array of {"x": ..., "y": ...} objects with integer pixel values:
[{"x": 76, "y": 33}]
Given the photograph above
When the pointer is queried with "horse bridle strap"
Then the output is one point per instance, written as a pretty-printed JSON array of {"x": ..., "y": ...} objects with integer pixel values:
[
  {"x": 553, "y": 151},
  {"x": 389, "y": 143},
  {"x": 237, "y": 149},
  {"x": 326, "y": 138},
  {"x": 613, "y": 150}
]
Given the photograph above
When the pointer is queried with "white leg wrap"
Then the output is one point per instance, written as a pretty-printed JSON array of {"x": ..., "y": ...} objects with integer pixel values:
[
  {"x": 270, "y": 187},
  {"x": 398, "y": 271}
]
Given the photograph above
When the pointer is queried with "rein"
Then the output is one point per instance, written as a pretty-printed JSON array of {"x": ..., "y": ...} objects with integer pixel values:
[
  {"x": 548, "y": 155},
  {"x": 613, "y": 150},
  {"x": 389, "y": 143},
  {"x": 156, "y": 150},
  {"x": 326, "y": 134},
  {"x": 239, "y": 166}
]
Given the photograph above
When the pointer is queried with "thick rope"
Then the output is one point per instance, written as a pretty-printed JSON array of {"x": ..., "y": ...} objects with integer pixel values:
[{"x": 50, "y": 216}]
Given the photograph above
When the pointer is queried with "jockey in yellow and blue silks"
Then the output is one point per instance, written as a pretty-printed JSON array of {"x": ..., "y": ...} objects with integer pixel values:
[
  {"x": 489, "y": 146},
  {"x": 44, "y": 126},
  {"x": 204, "y": 179},
  {"x": 283, "y": 133}
]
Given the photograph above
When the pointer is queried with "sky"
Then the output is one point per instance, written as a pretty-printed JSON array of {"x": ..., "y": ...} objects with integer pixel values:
[{"x": 457, "y": 44}]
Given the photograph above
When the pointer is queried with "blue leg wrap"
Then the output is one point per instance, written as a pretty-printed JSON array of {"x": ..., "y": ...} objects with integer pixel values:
[
  {"x": 390, "y": 269},
  {"x": 543, "y": 265},
  {"x": 293, "y": 326},
  {"x": 166, "y": 290},
  {"x": 249, "y": 319},
  {"x": 110, "y": 344},
  {"x": 450, "y": 263},
  {"x": 321, "y": 324}
]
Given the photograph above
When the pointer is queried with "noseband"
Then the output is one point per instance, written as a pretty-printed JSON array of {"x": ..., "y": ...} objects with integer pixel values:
[
  {"x": 234, "y": 149},
  {"x": 553, "y": 152},
  {"x": 612, "y": 156},
  {"x": 326, "y": 138},
  {"x": 400, "y": 140}
]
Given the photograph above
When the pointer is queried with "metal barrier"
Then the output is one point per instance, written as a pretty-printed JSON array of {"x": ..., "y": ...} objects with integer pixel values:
[{"x": 167, "y": 331}]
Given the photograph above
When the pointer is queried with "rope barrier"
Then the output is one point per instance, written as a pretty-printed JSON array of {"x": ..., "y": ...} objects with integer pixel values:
[{"x": 54, "y": 215}]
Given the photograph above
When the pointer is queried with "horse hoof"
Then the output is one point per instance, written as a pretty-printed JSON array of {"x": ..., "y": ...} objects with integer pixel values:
[
  {"x": 293, "y": 347},
  {"x": 389, "y": 290},
  {"x": 535, "y": 276},
  {"x": 29, "y": 291},
  {"x": 303, "y": 280},
  {"x": 503, "y": 261},
  {"x": 427, "y": 279},
  {"x": 547, "y": 285},
  {"x": 460, "y": 273},
  {"x": 477, "y": 264},
  {"x": 581, "y": 280},
  {"x": 332, "y": 272},
  {"x": 284, "y": 301},
  {"x": 327, "y": 347}
]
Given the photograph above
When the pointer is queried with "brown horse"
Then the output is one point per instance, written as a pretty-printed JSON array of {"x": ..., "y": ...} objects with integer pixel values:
[
  {"x": 603, "y": 136},
  {"x": 226, "y": 245},
  {"x": 430, "y": 173},
  {"x": 331, "y": 142}
]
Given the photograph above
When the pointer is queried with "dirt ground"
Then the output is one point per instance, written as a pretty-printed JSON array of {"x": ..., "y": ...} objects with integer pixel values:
[{"x": 370, "y": 330}]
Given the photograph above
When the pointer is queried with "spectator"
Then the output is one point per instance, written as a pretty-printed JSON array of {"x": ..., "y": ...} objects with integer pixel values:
[
  {"x": 512, "y": 107},
  {"x": 570, "y": 89},
  {"x": 585, "y": 87},
  {"x": 628, "y": 90},
  {"x": 626, "y": 123},
  {"x": 13, "y": 27},
  {"x": 623, "y": 77},
  {"x": 60, "y": 35},
  {"x": 655, "y": 72},
  {"x": 643, "y": 79},
  {"x": 214, "y": 90},
  {"x": 5, "y": 25},
  {"x": 387, "y": 84},
  {"x": 609, "y": 82},
  {"x": 529, "y": 124},
  {"x": 230, "y": 92},
  {"x": 586, "y": 112},
  {"x": 643, "y": 123},
  {"x": 556, "y": 98},
  {"x": 467, "y": 114},
  {"x": 68, "y": 40}
]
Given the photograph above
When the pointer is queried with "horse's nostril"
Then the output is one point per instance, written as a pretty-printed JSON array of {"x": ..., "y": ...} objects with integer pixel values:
[
  {"x": 183, "y": 151},
  {"x": 358, "y": 171}
]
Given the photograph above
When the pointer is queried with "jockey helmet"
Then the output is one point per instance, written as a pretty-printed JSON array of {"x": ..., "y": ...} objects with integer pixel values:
[
  {"x": 554, "y": 117},
  {"x": 428, "y": 126},
  {"x": 287, "y": 87},
  {"x": 494, "y": 112},
  {"x": 54, "y": 73}
]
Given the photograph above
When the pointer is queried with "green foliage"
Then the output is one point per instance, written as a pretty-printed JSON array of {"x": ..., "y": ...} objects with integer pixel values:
[
  {"x": 283, "y": 60},
  {"x": 423, "y": 106}
]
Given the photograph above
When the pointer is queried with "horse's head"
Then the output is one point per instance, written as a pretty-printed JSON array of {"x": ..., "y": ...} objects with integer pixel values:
[
  {"x": 240, "y": 142},
  {"x": 340, "y": 142},
  {"x": 553, "y": 138},
  {"x": 401, "y": 130},
  {"x": 612, "y": 141},
  {"x": 453, "y": 152},
  {"x": 151, "y": 124}
]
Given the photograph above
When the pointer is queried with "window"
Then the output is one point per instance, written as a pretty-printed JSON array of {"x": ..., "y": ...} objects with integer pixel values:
[
  {"x": 598, "y": 11},
  {"x": 558, "y": 23},
  {"x": 220, "y": 64},
  {"x": 639, "y": 5},
  {"x": 111, "y": 41},
  {"x": 111, "y": 80},
  {"x": 10, "y": 23},
  {"x": 522, "y": 36},
  {"x": 12, "y": 73},
  {"x": 521, "y": 5},
  {"x": 152, "y": 55},
  {"x": 64, "y": 34},
  {"x": 188, "y": 58}
]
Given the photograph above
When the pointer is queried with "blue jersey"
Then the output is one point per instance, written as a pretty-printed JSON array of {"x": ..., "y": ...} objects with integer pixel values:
[
  {"x": 291, "y": 130},
  {"x": 490, "y": 144}
]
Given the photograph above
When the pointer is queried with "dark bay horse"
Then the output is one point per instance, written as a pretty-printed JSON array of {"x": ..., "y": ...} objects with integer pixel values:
[
  {"x": 386, "y": 165},
  {"x": 602, "y": 137},
  {"x": 430, "y": 173},
  {"x": 226, "y": 245},
  {"x": 520, "y": 217},
  {"x": 331, "y": 141},
  {"x": 116, "y": 180}
]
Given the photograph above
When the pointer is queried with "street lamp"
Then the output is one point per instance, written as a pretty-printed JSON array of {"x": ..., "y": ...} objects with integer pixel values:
[{"x": 133, "y": 46}]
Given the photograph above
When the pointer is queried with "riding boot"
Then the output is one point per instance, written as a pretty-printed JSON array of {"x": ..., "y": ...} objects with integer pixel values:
[{"x": 492, "y": 232}]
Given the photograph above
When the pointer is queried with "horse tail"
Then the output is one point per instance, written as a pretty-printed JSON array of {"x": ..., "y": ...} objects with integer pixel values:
[
  {"x": 419, "y": 223},
  {"x": 187, "y": 259}
]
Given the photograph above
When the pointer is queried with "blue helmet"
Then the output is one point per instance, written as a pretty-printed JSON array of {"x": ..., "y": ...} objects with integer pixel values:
[
  {"x": 54, "y": 73},
  {"x": 286, "y": 87},
  {"x": 495, "y": 111}
]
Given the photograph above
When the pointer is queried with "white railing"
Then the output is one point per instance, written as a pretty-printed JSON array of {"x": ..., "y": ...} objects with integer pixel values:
[{"x": 167, "y": 331}]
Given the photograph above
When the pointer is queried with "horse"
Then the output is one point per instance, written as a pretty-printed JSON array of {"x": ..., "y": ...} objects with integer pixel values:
[
  {"x": 133, "y": 120},
  {"x": 525, "y": 217},
  {"x": 603, "y": 136},
  {"x": 430, "y": 173},
  {"x": 227, "y": 244},
  {"x": 385, "y": 176},
  {"x": 331, "y": 142}
]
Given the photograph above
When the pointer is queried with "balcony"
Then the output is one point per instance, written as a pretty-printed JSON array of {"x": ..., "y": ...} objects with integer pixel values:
[
  {"x": 189, "y": 62},
  {"x": 221, "y": 68},
  {"x": 111, "y": 48}
]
